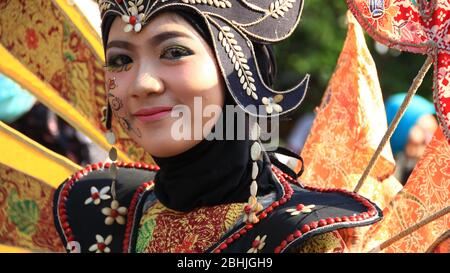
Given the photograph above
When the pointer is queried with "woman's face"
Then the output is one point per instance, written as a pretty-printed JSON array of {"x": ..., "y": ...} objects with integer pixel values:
[{"x": 165, "y": 65}]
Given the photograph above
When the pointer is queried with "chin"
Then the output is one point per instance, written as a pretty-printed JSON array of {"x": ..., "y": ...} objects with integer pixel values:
[
  {"x": 167, "y": 147},
  {"x": 161, "y": 146}
]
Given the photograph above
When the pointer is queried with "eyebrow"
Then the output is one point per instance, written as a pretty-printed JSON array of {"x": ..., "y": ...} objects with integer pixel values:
[{"x": 153, "y": 41}]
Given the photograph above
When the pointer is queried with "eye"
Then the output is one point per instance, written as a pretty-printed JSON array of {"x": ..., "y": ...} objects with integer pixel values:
[
  {"x": 118, "y": 63},
  {"x": 175, "y": 53}
]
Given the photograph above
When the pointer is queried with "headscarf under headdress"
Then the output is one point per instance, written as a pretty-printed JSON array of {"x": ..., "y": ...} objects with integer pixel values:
[{"x": 241, "y": 34}]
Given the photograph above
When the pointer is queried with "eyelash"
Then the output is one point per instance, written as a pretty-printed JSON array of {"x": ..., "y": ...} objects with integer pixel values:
[
  {"x": 113, "y": 66},
  {"x": 184, "y": 52}
]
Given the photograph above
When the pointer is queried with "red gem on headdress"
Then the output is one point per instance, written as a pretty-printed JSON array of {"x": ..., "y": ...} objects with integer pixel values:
[
  {"x": 133, "y": 20},
  {"x": 119, "y": 2}
]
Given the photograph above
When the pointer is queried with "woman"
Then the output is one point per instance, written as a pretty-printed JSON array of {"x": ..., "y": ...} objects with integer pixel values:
[{"x": 207, "y": 194}]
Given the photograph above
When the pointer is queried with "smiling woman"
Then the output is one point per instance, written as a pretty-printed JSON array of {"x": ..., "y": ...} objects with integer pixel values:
[
  {"x": 157, "y": 70},
  {"x": 207, "y": 194}
]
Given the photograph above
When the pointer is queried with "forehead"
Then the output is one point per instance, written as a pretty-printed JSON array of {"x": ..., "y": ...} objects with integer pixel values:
[{"x": 166, "y": 21}]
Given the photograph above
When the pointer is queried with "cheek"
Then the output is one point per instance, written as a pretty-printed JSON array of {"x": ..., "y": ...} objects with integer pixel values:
[
  {"x": 199, "y": 78},
  {"x": 117, "y": 95}
]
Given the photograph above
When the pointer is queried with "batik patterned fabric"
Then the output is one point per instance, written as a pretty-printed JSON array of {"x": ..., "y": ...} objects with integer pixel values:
[
  {"x": 419, "y": 26},
  {"x": 55, "y": 49},
  {"x": 349, "y": 126},
  {"x": 26, "y": 219},
  {"x": 442, "y": 246},
  {"x": 165, "y": 230},
  {"x": 426, "y": 192},
  {"x": 330, "y": 242}
]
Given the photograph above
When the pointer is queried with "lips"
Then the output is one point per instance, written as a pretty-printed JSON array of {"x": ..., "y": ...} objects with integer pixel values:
[{"x": 152, "y": 113}]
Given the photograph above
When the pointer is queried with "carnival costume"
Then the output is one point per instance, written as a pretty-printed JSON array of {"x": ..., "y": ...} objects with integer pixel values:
[{"x": 219, "y": 196}]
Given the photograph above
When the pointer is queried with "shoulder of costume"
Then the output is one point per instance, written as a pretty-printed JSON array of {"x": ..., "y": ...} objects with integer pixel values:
[
  {"x": 301, "y": 213},
  {"x": 82, "y": 203}
]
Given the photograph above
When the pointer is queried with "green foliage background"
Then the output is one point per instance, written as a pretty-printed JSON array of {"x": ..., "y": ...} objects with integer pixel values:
[{"x": 315, "y": 47}]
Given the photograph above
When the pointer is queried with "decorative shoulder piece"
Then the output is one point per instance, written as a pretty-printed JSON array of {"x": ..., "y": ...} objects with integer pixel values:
[
  {"x": 300, "y": 214},
  {"x": 234, "y": 27},
  {"x": 86, "y": 216}
]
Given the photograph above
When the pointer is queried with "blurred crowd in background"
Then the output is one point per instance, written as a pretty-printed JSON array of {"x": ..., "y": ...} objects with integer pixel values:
[
  {"x": 20, "y": 110},
  {"x": 408, "y": 142}
]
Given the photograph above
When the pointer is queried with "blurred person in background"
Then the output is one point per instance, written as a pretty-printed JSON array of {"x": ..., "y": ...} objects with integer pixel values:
[
  {"x": 20, "y": 110},
  {"x": 413, "y": 134},
  {"x": 14, "y": 101}
]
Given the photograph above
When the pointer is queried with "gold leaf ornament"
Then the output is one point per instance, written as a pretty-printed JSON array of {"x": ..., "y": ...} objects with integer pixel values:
[
  {"x": 237, "y": 57},
  {"x": 217, "y": 3},
  {"x": 279, "y": 7},
  {"x": 104, "y": 5}
]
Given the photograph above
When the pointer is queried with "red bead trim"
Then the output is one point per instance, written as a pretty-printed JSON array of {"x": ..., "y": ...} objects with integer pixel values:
[
  {"x": 283, "y": 177},
  {"x": 263, "y": 214},
  {"x": 64, "y": 194},
  {"x": 371, "y": 212},
  {"x": 132, "y": 211}
]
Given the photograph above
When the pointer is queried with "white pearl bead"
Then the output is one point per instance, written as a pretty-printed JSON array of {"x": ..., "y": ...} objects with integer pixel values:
[
  {"x": 255, "y": 151},
  {"x": 255, "y": 132},
  {"x": 255, "y": 170},
  {"x": 110, "y": 137},
  {"x": 253, "y": 188}
]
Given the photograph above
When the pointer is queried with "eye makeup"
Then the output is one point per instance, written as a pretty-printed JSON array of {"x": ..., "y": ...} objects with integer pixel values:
[
  {"x": 118, "y": 63},
  {"x": 175, "y": 52}
]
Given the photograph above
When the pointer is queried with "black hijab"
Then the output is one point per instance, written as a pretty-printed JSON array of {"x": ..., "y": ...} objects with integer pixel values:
[{"x": 211, "y": 173}]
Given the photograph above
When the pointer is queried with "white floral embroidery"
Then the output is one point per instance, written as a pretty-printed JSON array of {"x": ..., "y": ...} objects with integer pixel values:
[
  {"x": 441, "y": 15},
  {"x": 102, "y": 244},
  {"x": 272, "y": 104},
  {"x": 73, "y": 247},
  {"x": 446, "y": 93},
  {"x": 97, "y": 196},
  {"x": 134, "y": 19},
  {"x": 301, "y": 209},
  {"x": 258, "y": 244},
  {"x": 114, "y": 213}
]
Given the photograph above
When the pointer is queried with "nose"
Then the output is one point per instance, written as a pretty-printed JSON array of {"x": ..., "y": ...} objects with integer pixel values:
[{"x": 147, "y": 82}]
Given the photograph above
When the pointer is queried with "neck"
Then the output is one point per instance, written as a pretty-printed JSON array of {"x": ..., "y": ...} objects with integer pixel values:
[{"x": 211, "y": 173}]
